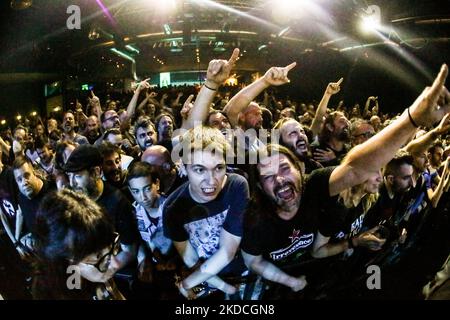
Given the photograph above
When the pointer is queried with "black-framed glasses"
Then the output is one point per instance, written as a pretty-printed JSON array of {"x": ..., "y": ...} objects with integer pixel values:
[
  {"x": 104, "y": 261},
  {"x": 113, "y": 118}
]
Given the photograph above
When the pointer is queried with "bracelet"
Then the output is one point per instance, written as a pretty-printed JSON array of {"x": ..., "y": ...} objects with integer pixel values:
[
  {"x": 411, "y": 119},
  {"x": 209, "y": 88}
]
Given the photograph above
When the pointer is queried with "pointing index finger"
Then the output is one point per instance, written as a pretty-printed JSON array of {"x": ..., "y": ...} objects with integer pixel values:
[
  {"x": 234, "y": 56},
  {"x": 291, "y": 66},
  {"x": 340, "y": 81},
  {"x": 189, "y": 99},
  {"x": 438, "y": 82}
]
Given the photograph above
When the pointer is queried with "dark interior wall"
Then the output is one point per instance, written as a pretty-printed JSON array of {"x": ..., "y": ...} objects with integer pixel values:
[
  {"x": 396, "y": 76},
  {"x": 21, "y": 99}
]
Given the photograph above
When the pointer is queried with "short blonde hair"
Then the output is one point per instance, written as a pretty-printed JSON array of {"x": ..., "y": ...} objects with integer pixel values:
[{"x": 204, "y": 138}]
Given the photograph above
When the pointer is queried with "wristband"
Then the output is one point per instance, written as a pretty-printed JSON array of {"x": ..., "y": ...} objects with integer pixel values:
[
  {"x": 209, "y": 88},
  {"x": 411, "y": 119}
]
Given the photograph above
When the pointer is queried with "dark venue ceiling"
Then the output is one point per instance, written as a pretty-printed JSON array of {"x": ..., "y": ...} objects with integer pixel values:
[{"x": 323, "y": 36}]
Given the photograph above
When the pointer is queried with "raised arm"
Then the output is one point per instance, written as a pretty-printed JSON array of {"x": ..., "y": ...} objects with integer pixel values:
[
  {"x": 5, "y": 147},
  {"x": 148, "y": 97},
  {"x": 186, "y": 110},
  {"x": 332, "y": 88},
  {"x": 366, "y": 107},
  {"x": 94, "y": 101},
  {"x": 366, "y": 159},
  {"x": 131, "y": 109},
  {"x": 177, "y": 100},
  {"x": 275, "y": 76},
  {"x": 421, "y": 144},
  {"x": 218, "y": 71},
  {"x": 435, "y": 195}
]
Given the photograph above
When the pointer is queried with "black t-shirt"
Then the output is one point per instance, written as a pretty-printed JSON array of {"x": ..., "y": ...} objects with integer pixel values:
[
  {"x": 311, "y": 165},
  {"x": 201, "y": 223},
  {"x": 8, "y": 196},
  {"x": 179, "y": 180},
  {"x": 120, "y": 210},
  {"x": 385, "y": 208},
  {"x": 30, "y": 207},
  {"x": 351, "y": 222},
  {"x": 339, "y": 154},
  {"x": 284, "y": 241}
]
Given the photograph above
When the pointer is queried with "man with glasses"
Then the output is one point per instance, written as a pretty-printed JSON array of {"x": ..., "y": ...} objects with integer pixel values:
[
  {"x": 102, "y": 260},
  {"x": 361, "y": 131},
  {"x": 109, "y": 119}
]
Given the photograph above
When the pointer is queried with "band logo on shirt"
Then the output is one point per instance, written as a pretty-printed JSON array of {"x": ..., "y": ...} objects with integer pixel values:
[
  {"x": 8, "y": 208},
  {"x": 298, "y": 242}
]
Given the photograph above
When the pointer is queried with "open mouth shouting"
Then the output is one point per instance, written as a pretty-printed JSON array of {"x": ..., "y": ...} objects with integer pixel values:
[
  {"x": 148, "y": 143},
  {"x": 285, "y": 192},
  {"x": 301, "y": 146},
  {"x": 209, "y": 191}
]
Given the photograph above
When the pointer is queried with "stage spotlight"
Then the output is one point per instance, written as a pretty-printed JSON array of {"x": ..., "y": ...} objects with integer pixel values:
[
  {"x": 93, "y": 34},
  {"x": 21, "y": 4},
  {"x": 164, "y": 7},
  {"x": 371, "y": 19}
]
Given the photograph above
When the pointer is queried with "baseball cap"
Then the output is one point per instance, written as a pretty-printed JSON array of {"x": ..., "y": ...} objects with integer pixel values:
[{"x": 83, "y": 157}]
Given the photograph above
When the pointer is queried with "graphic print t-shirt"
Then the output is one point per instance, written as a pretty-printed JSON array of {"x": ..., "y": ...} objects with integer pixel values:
[
  {"x": 286, "y": 241},
  {"x": 201, "y": 223},
  {"x": 8, "y": 196}
]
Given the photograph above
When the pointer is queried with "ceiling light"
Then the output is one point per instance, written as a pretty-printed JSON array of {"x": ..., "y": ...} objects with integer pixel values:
[{"x": 21, "y": 4}]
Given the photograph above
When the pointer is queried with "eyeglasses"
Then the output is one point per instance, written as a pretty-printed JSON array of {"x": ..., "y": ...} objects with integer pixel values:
[
  {"x": 104, "y": 261},
  {"x": 366, "y": 135},
  {"x": 113, "y": 118}
]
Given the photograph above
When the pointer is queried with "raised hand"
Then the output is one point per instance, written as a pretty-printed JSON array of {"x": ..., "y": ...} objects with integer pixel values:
[
  {"x": 433, "y": 103},
  {"x": 78, "y": 106},
  {"x": 93, "y": 100},
  {"x": 334, "y": 87},
  {"x": 324, "y": 155},
  {"x": 151, "y": 94},
  {"x": 143, "y": 85},
  {"x": 277, "y": 76},
  {"x": 219, "y": 70},
  {"x": 444, "y": 125},
  {"x": 187, "y": 106}
]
